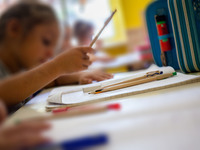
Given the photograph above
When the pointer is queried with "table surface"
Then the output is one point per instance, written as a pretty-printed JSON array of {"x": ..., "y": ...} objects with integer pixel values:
[{"x": 163, "y": 119}]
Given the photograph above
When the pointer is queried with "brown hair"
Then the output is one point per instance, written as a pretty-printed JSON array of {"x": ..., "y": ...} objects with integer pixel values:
[
  {"x": 81, "y": 28},
  {"x": 29, "y": 14}
]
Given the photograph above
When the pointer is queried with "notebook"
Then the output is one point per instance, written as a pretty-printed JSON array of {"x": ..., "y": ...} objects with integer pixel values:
[{"x": 80, "y": 94}]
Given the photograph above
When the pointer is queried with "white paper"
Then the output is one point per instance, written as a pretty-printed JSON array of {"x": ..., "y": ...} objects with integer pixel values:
[{"x": 77, "y": 96}]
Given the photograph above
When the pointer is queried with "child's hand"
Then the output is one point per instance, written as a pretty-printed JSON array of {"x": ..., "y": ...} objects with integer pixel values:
[
  {"x": 24, "y": 135},
  {"x": 74, "y": 60},
  {"x": 88, "y": 77},
  {"x": 3, "y": 111}
]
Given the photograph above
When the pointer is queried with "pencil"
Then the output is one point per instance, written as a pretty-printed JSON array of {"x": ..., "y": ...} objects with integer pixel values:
[
  {"x": 78, "y": 112},
  {"x": 148, "y": 74},
  {"x": 105, "y": 24},
  {"x": 133, "y": 83}
]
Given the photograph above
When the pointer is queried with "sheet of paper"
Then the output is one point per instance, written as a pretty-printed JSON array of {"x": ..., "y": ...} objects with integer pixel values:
[
  {"x": 77, "y": 95},
  {"x": 81, "y": 97}
]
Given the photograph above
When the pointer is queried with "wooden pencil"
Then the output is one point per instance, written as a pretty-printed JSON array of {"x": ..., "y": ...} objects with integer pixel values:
[
  {"x": 77, "y": 112},
  {"x": 148, "y": 74},
  {"x": 105, "y": 24},
  {"x": 133, "y": 83},
  {"x": 73, "y": 113}
]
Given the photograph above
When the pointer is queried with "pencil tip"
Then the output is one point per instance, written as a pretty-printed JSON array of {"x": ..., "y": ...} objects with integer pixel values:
[
  {"x": 95, "y": 92},
  {"x": 98, "y": 90}
]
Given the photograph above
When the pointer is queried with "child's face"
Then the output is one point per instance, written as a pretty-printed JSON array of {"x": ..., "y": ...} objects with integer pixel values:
[{"x": 39, "y": 45}]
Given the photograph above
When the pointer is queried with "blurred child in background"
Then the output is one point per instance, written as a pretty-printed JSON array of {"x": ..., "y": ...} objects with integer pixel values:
[
  {"x": 83, "y": 32},
  {"x": 29, "y": 32}
]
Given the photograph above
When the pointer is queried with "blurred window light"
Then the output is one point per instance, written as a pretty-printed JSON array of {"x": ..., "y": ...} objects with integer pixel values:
[{"x": 94, "y": 11}]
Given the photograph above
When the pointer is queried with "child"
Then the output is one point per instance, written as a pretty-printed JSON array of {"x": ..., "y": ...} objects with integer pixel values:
[
  {"x": 83, "y": 32},
  {"x": 29, "y": 32}
]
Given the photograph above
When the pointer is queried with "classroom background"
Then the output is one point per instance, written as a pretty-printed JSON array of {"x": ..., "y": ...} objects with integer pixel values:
[
  {"x": 125, "y": 38},
  {"x": 161, "y": 114}
]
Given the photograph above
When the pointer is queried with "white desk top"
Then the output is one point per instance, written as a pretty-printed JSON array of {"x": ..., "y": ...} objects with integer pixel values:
[{"x": 164, "y": 119}]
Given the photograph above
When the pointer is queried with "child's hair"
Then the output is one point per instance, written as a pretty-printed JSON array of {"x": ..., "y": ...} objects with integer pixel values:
[
  {"x": 29, "y": 14},
  {"x": 81, "y": 28}
]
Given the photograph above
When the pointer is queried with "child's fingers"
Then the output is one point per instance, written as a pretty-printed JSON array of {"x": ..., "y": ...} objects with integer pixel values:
[
  {"x": 31, "y": 126},
  {"x": 35, "y": 126},
  {"x": 85, "y": 81},
  {"x": 31, "y": 140},
  {"x": 104, "y": 74},
  {"x": 8, "y": 131},
  {"x": 27, "y": 140},
  {"x": 87, "y": 63},
  {"x": 98, "y": 78},
  {"x": 86, "y": 57},
  {"x": 107, "y": 76},
  {"x": 86, "y": 50},
  {"x": 84, "y": 67},
  {"x": 16, "y": 138}
]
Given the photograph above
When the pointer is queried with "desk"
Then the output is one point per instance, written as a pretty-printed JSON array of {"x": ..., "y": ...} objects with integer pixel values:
[{"x": 164, "y": 119}]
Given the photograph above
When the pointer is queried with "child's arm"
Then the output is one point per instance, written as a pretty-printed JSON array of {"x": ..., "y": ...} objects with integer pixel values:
[
  {"x": 65, "y": 80},
  {"x": 18, "y": 87},
  {"x": 3, "y": 112},
  {"x": 84, "y": 77}
]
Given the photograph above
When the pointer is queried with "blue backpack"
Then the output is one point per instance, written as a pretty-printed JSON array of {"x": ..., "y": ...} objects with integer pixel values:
[{"x": 182, "y": 18}]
